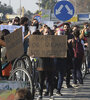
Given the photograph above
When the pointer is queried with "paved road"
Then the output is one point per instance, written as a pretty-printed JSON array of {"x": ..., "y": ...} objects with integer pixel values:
[{"x": 80, "y": 93}]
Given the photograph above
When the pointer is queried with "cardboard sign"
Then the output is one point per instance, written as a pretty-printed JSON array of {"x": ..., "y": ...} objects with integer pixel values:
[
  {"x": 32, "y": 29},
  {"x": 48, "y": 46},
  {"x": 14, "y": 44},
  {"x": 11, "y": 28}
]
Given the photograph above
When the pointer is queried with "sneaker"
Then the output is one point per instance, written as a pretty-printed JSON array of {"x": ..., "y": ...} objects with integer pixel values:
[
  {"x": 51, "y": 98},
  {"x": 75, "y": 85},
  {"x": 46, "y": 94},
  {"x": 69, "y": 86},
  {"x": 39, "y": 97},
  {"x": 58, "y": 93}
]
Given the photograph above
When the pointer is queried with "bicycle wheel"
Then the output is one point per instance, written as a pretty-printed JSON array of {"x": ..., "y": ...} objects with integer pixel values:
[
  {"x": 18, "y": 63},
  {"x": 28, "y": 63},
  {"x": 21, "y": 75}
]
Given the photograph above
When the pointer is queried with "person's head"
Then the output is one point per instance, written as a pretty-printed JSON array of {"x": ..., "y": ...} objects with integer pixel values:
[
  {"x": 54, "y": 27},
  {"x": 10, "y": 22},
  {"x": 86, "y": 29},
  {"x": 75, "y": 27},
  {"x": 37, "y": 32},
  {"x": 86, "y": 25},
  {"x": 23, "y": 94},
  {"x": 24, "y": 21},
  {"x": 46, "y": 31},
  {"x": 76, "y": 33},
  {"x": 57, "y": 31},
  {"x": 16, "y": 21},
  {"x": 4, "y": 33},
  {"x": 35, "y": 23},
  {"x": 66, "y": 27}
]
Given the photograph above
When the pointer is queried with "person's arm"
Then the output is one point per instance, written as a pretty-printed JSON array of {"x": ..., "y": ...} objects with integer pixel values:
[
  {"x": 27, "y": 35},
  {"x": 2, "y": 43}
]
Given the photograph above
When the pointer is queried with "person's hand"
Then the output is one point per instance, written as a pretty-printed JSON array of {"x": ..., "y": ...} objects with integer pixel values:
[
  {"x": 70, "y": 40},
  {"x": 86, "y": 44}
]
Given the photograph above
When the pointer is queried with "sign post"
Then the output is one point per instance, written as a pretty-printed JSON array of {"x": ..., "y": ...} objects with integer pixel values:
[{"x": 64, "y": 10}]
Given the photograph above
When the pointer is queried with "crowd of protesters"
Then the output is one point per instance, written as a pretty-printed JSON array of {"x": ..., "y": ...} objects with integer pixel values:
[{"x": 50, "y": 67}]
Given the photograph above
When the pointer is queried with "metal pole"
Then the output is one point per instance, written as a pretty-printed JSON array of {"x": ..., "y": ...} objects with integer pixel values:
[
  {"x": 39, "y": 5},
  {"x": 75, "y": 1},
  {"x": 9, "y": 2},
  {"x": 20, "y": 8},
  {"x": 75, "y": 7}
]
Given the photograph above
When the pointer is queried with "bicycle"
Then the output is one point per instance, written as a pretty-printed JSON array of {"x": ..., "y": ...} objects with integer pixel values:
[
  {"x": 22, "y": 75},
  {"x": 27, "y": 62},
  {"x": 21, "y": 71},
  {"x": 24, "y": 69}
]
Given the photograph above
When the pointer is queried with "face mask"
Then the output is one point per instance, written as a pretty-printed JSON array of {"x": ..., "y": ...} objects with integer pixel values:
[{"x": 86, "y": 33}]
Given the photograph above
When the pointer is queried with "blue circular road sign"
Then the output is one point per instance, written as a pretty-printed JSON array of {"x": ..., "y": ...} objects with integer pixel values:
[
  {"x": 38, "y": 18},
  {"x": 64, "y": 10}
]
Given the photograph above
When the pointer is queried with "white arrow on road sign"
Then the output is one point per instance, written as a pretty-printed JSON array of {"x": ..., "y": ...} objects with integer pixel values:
[
  {"x": 69, "y": 10},
  {"x": 59, "y": 9}
]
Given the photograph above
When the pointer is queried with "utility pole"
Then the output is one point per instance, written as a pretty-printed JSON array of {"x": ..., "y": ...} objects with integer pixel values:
[
  {"x": 75, "y": 1},
  {"x": 9, "y": 2},
  {"x": 39, "y": 5},
  {"x": 20, "y": 8}
]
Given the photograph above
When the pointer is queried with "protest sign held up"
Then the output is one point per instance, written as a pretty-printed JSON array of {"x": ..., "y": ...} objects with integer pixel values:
[
  {"x": 14, "y": 44},
  {"x": 47, "y": 46}
]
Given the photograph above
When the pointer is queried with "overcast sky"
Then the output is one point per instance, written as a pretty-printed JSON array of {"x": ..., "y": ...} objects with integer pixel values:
[{"x": 28, "y": 4}]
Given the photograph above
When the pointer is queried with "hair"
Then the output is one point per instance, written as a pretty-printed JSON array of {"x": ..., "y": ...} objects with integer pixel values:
[
  {"x": 76, "y": 26},
  {"x": 4, "y": 33},
  {"x": 66, "y": 24},
  {"x": 23, "y": 19},
  {"x": 23, "y": 94},
  {"x": 35, "y": 23},
  {"x": 17, "y": 19},
  {"x": 37, "y": 32}
]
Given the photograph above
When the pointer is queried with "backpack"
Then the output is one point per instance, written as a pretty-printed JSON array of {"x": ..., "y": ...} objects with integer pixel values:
[{"x": 78, "y": 49}]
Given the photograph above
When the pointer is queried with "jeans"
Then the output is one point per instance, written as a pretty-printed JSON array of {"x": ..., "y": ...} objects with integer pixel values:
[
  {"x": 60, "y": 80},
  {"x": 77, "y": 75},
  {"x": 49, "y": 76}
]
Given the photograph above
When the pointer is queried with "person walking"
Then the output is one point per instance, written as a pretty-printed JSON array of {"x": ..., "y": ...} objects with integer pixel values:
[{"x": 78, "y": 58}]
